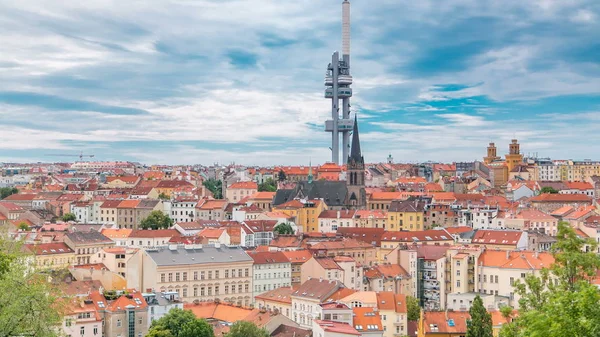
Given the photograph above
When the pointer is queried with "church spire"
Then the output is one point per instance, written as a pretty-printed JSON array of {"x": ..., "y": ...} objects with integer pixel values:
[{"x": 355, "y": 153}]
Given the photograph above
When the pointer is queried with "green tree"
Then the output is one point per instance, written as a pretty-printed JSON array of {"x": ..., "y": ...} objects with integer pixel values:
[
  {"x": 156, "y": 220},
  {"x": 562, "y": 301},
  {"x": 196, "y": 328},
  {"x": 23, "y": 226},
  {"x": 246, "y": 329},
  {"x": 180, "y": 323},
  {"x": 29, "y": 304},
  {"x": 269, "y": 185},
  {"x": 68, "y": 217},
  {"x": 6, "y": 191},
  {"x": 163, "y": 196},
  {"x": 281, "y": 176},
  {"x": 215, "y": 187},
  {"x": 283, "y": 229},
  {"x": 481, "y": 321},
  {"x": 413, "y": 308},
  {"x": 548, "y": 189}
]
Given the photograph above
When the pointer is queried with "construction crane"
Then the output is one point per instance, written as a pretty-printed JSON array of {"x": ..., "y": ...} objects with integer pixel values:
[{"x": 80, "y": 155}]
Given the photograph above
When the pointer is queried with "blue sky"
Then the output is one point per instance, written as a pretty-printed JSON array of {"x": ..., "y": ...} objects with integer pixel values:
[{"x": 204, "y": 81}]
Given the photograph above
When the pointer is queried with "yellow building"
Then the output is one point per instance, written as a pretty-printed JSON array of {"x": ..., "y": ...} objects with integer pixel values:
[
  {"x": 514, "y": 156},
  {"x": 306, "y": 214},
  {"x": 491, "y": 154},
  {"x": 406, "y": 215},
  {"x": 52, "y": 255}
]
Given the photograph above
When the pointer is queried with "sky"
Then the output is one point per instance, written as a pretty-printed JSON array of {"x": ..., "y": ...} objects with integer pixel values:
[{"x": 221, "y": 81}]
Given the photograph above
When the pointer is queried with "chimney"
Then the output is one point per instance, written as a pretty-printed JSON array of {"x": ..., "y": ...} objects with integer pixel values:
[{"x": 338, "y": 214}]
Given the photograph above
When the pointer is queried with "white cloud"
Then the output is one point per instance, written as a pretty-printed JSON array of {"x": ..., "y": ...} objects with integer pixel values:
[{"x": 583, "y": 16}]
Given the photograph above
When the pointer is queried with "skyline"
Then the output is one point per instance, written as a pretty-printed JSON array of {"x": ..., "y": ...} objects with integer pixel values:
[{"x": 177, "y": 81}]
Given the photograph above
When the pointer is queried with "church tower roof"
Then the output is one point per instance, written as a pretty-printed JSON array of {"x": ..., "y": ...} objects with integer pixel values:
[{"x": 355, "y": 153}]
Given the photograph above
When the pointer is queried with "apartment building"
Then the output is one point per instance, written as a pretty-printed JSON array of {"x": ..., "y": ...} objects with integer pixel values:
[
  {"x": 307, "y": 300},
  {"x": 297, "y": 258},
  {"x": 55, "y": 255},
  {"x": 240, "y": 190},
  {"x": 271, "y": 270},
  {"x": 406, "y": 215},
  {"x": 342, "y": 268},
  {"x": 330, "y": 221},
  {"x": 86, "y": 245},
  {"x": 195, "y": 272}
]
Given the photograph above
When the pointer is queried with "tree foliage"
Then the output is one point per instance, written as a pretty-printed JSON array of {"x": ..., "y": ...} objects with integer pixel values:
[
  {"x": 246, "y": 329},
  {"x": 413, "y": 308},
  {"x": 215, "y": 187},
  {"x": 284, "y": 228},
  {"x": 29, "y": 304},
  {"x": 6, "y": 191},
  {"x": 68, "y": 217},
  {"x": 180, "y": 323},
  {"x": 281, "y": 176},
  {"x": 156, "y": 220},
  {"x": 481, "y": 320},
  {"x": 562, "y": 301},
  {"x": 269, "y": 185},
  {"x": 548, "y": 189},
  {"x": 163, "y": 196},
  {"x": 23, "y": 226}
]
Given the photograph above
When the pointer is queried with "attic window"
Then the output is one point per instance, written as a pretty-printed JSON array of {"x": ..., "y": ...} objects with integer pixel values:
[{"x": 359, "y": 327}]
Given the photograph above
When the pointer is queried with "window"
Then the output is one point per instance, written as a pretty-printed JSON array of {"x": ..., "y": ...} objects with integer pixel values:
[
  {"x": 195, "y": 291},
  {"x": 195, "y": 275},
  {"x": 239, "y": 288},
  {"x": 118, "y": 323},
  {"x": 184, "y": 292},
  {"x": 226, "y": 273},
  {"x": 216, "y": 290},
  {"x": 170, "y": 277},
  {"x": 496, "y": 277},
  {"x": 82, "y": 330},
  {"x": 95, "y": 330},
  {"x": 226, "y": 289},
  {"x": 512, "y": 281},
  {"x": 177, "y": 277},
  {"x": 522, "y": 275},
  {"x": 185, "y": 276},
  {"x": 246, "y": 287},
  {"x": 216, "y": 274},
  {"x": 210, "y": 274},
  {"x": 202, "y": 275},
  {"x": 484, "y": 278}
]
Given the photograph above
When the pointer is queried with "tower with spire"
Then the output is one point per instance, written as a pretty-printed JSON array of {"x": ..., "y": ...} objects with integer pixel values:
[{"x": 355, "y": 171}]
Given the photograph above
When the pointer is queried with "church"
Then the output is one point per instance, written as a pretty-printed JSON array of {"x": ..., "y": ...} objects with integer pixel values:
[{"x": 337, "y": 195}]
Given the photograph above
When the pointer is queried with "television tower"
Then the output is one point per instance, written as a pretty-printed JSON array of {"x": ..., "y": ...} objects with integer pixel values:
[{"x": 337, "y": 83}]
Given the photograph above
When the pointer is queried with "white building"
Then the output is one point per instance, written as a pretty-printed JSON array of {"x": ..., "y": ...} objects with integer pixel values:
[
  {"x": 159, "y": 304},
  {"x": 307, "y": 300},
  {"x": 548, "y": 172},
  {"x": 330, "y": 221},
  {"x": 83, "y": 211},
  {"x": 183, "y": 210},
  {"x": 83, "y": 321},
  {"x": 479, "y": 218},
  {"x": 271, "y": 271}
]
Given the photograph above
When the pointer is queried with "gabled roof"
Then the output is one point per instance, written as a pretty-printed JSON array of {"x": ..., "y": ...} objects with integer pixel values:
[
  {"x": 327, "y": 263},
  {"x": 317, "y": 289},
  {"x": 212, "y": 233},
  {"x": 262, "y": 196},
  {"x": 281, "y": 295},
  {"x": 345, "y": 214},
  {"x": 133, "y": 299},
  {"x": 364, "y": 234},
  {"x": 110, "y": 204},
  {"x": 449, "y": 322},
  {"x": 337, "y": 327},
  {"x": 268, "y": 257},
  {"x": 579, "y": 185},
  {"x": 496, "y": 237},
  {"x": 367, "y": 319},
  {"x": 126, "y": 179},
  {"x": 244, "y": 185},
  {"x": 516, "y": 259},
  {"x": 129, "y": 203},
  {"x": 20, "y": 197},
  {"x": 49, "y": 248},
  {"x": 10, "y": 206},
  {"x": 116, "y": 233},
  {"x": 88, "y": 238},
  {"x": 566, "y": 198},
  {"x": 212, "y": 204},
  {"x": 298, "y": 256},
  {"x": 411, "y": 206},
  {"x": 388, "y": 300}
]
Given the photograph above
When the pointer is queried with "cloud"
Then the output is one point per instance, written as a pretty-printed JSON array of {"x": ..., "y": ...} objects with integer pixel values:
[{"x": 242, "y": 80}]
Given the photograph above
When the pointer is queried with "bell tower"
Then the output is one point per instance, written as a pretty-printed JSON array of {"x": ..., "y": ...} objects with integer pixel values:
[
  {"x": 355, "y": 179},
  {"x": 491, "y": 154}
]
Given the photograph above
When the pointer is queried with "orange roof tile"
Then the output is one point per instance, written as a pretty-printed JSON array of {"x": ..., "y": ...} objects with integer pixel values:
[
  {"x": 129, "y": 203},
  {"x": 125, "y": 179},
  {"x": 579, "y": 185},
  {"x": 496, "y": 237},
  {"x": 516, "y": 259},
  {"x": 367, "y": 319},
  {"x": 298, "y": 256},
  {"x": 548, "y": 197},
  {"x": 116, "y": 233},
  {"x": 337, "y": 327},
  {"x": 281, "y": 295},
  {"x": 211, "y": 233},
  {"x": 563, "y": 210},
  {"x": 386, "y": 195},
  {"x": 262, "y": 196},
  {"x": 435, "y": 322},
  {"x": 212, "y": 204},
  {"x": 244, "y": 185}
]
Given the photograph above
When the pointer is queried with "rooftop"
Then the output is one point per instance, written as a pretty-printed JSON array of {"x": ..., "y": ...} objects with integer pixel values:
[{"x": 198, "y": 254}]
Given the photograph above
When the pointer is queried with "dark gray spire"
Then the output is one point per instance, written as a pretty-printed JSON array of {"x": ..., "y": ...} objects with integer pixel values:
[{"x": 355, "y": 153}]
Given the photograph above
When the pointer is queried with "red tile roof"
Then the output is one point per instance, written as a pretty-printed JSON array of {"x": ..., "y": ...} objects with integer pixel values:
[
  {"x": 20, "y": 197},
  {"x": 281, "y": 295},
  {"x": 211, "y": 233},
  {"x": 132, "y": 203},
  {"x": 298, "y": 256},
  {"x": 268, "y": 257},
  {"x": 10, "y": 206},
  {"x": 244, "y": 185},
  {"x": 367, "y": 319},
  {"x": 439, "y": 322},
  {"x": 578, "y": 185},
  {"x": 345, "y": 243},
  {"x": 49, "y": 248},
  {"x": 566, "y": 198},
  {"x": 347, "y": 214},
  {"x": 136, "y": 300},
  {"x": 516, "y": 259},
  {"x": 494, "y": 237},
  {"x": 327, "y": 263},
  {"x": 212, "y": 204},
  {"x": 126, "y": 179},
  {"x": 262, "y": 196},
  {"x": 337, "y": 327}
]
